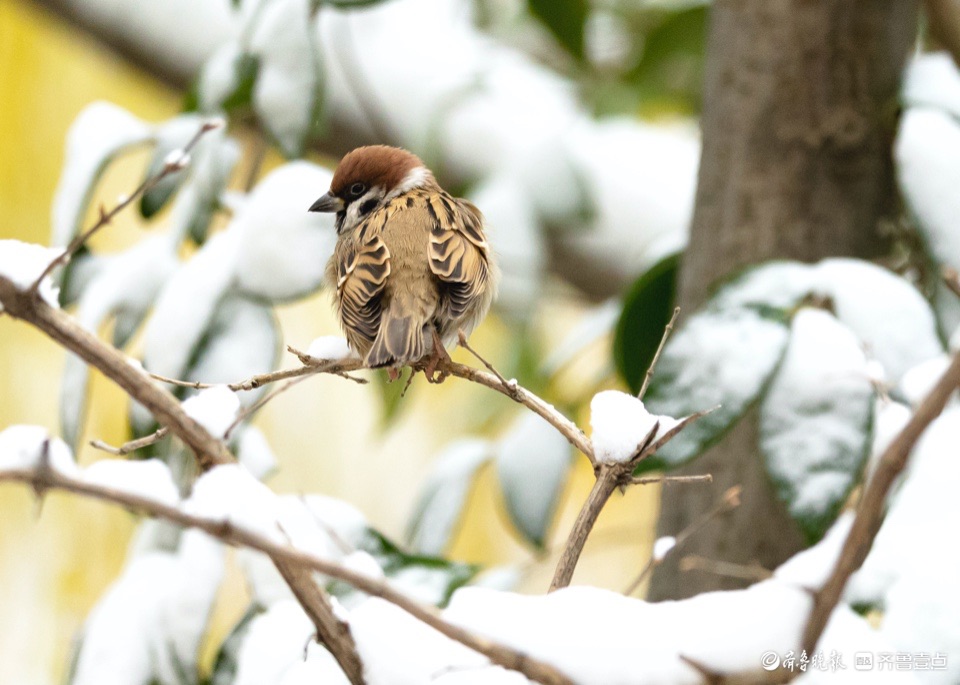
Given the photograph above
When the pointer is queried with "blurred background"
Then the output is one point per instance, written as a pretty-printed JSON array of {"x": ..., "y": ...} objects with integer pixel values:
[{"x": 361, "y": 443}]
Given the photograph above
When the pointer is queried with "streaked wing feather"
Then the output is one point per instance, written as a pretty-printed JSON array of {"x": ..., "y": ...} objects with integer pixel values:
[
  {"x": 361, "y": 276},
  {"x": 458, "y": 251}
]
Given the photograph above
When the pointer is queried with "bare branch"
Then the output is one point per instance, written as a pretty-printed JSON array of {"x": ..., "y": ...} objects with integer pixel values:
[
  {"x": 752, "y": 572},
  {"x": 729, "y": 501},
  {"x": 133, "y": 445},
  {"x": 870, "y": 510},
  {"x": 106, "y": 217},
  {"x": 289, "y": 556},
  {"x": 656, "y": 356},
  {"x": 952, "y": 279},
  {"x": 667, "y": 480}
]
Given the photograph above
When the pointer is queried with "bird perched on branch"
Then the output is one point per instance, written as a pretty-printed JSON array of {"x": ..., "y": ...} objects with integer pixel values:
[{"x": 412, "y": 267}]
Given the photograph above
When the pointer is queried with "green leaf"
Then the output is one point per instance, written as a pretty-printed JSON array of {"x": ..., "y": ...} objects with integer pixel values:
[
  {"x": 565, "y": 19},
  {"x": 172, "y": 135},
  {"x": 671, "y": 68},
  {"x": 533, "y": 461},
  {"x": 815, "y": 420},
  {"x": 246, "y": 69},
  {"x": 646, "y": 312},
  {"x": 719, "y": 357},
  {"x": 430, "y": 579},
  {"x": 391, "y": 394}
]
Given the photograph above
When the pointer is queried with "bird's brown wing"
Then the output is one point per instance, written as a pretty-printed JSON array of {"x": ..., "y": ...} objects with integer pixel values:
[
  {"x": 459, "y": 254},
  {"x": 362, "y": 272}
]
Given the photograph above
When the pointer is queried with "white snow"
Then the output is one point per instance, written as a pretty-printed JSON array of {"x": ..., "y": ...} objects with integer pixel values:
[
  {"x": 98, "y": 133},
  {"x": 889, "y": 418},
  {"x": 363, "y": 563},
  {"x": 21, "y": 448},
  {"x": 149, "y": 624},
  {"x": 286, "y": 88},
  {"x": 932, "y": 80},
  {"x": 662, "y": 547},
  {"x": 811, "y": 567},
  {"x": 22, "y": 263},
  {"x": 329, "y": 347},
  {"x": 213, "y": 408},
  {"x": 255, "y": 453},
  {"x": 533, "y": 460},
  {"x": 176, "y": 159},
  {"x": 283, "y": 248},
  {"x": 150, "y": 478},
  {"x": 620, "y": 424},
  {"x": 229, "y": 493},
  {"x": 444, "y": 494},
  {"x": 919, "y": 380},
  {"x": 275, "y": 641},
  {"x": 186, "y": 305},
  {"x": 815, "y": 417},
  {"x": 124, "y": 285}
]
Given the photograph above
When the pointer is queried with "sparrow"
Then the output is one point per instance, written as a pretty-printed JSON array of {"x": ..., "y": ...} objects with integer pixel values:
[{"x": 412, "y": 267}]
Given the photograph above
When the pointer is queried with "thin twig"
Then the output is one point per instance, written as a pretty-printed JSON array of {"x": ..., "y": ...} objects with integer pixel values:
[
  {"x": 490, "y": 367},
  {"x": 729, "y": 501},
  {"x": 656, "y": 356},
  {"x": 752, "y": 572},
  {"x": 132, "y": 445},
  {"x": 106, "y": 217},
  {"x": 870, "y": 509},
  {"x": 952, "y": 279},
  {"x": 232, "y": 534},
  {"x": 667, "y": 480},
  {"x": 610, "y": 476},
  {"x": 260, "y": 404}
]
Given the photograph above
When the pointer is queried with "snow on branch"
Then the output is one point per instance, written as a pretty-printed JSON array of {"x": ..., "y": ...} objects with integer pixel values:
[{"x": 41, "y": 477}]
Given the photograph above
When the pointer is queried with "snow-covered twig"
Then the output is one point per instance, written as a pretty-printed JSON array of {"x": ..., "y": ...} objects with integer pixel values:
[
  {"x": 870, "y": 510},
  {"x": 174, "y": 163},
  {"x": 656, "y": 357},
  {"x": 288, "y": 557},
  {"x": 132, "y": 445},
  {"x": 729, "y": 501},
  {"x": 610, "y": 476}
]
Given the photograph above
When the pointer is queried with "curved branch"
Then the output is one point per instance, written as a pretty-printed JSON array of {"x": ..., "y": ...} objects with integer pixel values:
[{"x": 284, "y": 556}]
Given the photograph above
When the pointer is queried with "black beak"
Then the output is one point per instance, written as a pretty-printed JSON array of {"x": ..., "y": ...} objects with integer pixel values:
[{"x": 327, "y": 203}]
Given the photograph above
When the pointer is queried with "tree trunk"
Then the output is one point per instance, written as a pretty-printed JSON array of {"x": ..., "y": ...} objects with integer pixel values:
[{"x": 799, "y": 113}]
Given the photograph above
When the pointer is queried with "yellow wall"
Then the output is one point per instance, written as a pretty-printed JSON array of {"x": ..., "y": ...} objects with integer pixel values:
[{"x": 56, "y": 561}]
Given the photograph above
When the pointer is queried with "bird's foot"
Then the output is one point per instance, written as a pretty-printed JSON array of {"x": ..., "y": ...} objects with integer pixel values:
[{"x": 436, "y": 359}]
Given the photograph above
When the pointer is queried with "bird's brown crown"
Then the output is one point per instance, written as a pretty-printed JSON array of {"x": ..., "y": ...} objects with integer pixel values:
[{"x": 373, "y": 165}]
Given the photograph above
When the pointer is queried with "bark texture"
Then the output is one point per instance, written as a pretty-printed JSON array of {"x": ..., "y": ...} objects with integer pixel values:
[{"x": 800, "y": 104}]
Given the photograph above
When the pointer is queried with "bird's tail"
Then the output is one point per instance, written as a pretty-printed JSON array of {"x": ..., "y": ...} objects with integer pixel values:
[{"x": 401, "y": 340}]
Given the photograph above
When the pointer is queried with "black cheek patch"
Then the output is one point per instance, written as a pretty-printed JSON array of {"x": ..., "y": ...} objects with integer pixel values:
[
  {"x": 341, "y": 217},
  {"x": 368, "y": 207}
]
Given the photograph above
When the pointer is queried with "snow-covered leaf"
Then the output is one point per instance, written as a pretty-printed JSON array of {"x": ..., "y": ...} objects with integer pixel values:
[
  {"x": 254, "y": 452},
  {"x": 124, "y": 286},
  {"x": 170, "y": 136},
  {"x": 213, "y": 408},
  {"x": 647, "y": 309},
  {"x": 533, "y": 461},
  {"x": 226, "y": 662},
  {"x": 286, "y": 91},
  {"x": 97, "y": 135},
  {"x": 429, "y": 579},
  {"x": 718, "y": 357},
  {"x": 815, "y": 420},
  {"x": 283, "y": 248},
  {"x": 227, "y": 79},
  {"x": 213, "y": 160},
  {"x": 148, "y": 626},
  {"x": 444, "y": 494}
]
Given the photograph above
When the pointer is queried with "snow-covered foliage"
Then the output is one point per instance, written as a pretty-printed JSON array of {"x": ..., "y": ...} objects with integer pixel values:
[
  {"x": 22, "y": 263},
  {"x": 622, "y": 425}
]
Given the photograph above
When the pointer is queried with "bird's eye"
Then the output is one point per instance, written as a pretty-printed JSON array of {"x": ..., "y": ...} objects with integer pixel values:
[{"x": 357, "y": 189}]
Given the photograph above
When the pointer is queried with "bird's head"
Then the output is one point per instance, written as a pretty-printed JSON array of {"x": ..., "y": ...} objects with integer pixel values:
[{"x": 366, "y": 178}]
